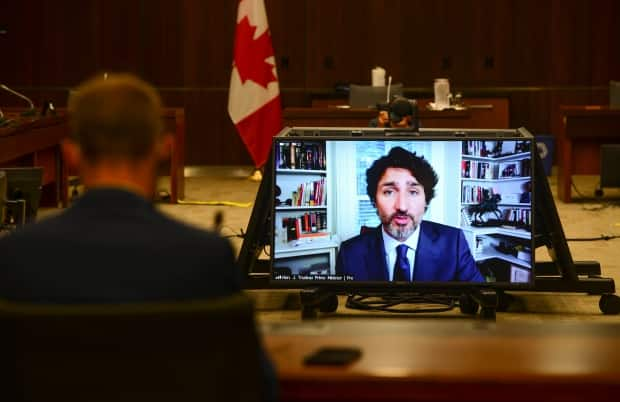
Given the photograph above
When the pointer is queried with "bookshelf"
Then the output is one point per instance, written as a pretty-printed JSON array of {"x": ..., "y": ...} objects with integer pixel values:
[
  {"x": 303, "y": 238},
  {"x": 496, "y": 213}
]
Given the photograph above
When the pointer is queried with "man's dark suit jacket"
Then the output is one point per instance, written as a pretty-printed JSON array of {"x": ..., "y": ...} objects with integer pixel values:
[
  {"x": 114, "y": 246},
  {"x": 442, "y": 255}
]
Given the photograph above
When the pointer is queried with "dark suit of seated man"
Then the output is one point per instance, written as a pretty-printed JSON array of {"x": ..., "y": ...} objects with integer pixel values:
[
  {"x": 113, "y": 245},
  {"x": 405, "y": 248}
]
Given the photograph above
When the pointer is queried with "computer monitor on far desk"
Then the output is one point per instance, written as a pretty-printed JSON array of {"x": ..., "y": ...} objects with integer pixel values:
[{"x": 366, "y": 96}]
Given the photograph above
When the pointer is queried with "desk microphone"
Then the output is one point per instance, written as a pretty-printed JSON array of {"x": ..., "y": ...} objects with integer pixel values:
[{"x": 31, "y": 111}]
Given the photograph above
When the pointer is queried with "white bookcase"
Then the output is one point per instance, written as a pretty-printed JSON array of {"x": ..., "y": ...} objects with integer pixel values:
[
  {"x": 488, "y": 169},
  {"x": 303, "y": 234}
]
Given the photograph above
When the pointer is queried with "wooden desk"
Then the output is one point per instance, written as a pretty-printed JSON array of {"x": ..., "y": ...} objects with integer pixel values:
[
  {"x": 174, "y": 123},
  {"x": 405, "y": 359},
  {"x": 35, "y": 142},
  {"x": 582, "y": 130},
  {"x": 482, "y": 113}
]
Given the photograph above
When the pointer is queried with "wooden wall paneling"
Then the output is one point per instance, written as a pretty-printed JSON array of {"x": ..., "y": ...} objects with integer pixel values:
[
  {"x": 530, "y": 109},
  {"x": 421, "y": 58},
  {"x": 489, "y": 40},
  {"x": 605, "y": 43},
  {"x": 68, "y": 51},
  {"x": 437, "y": 42},
  {"x": 453, "y": 49},
  {"x": 121, "y": 41},
  {"x": 287, "y": 24},
  {"x": 570, "y": 42},
  {"x": 214, "y": 139},
  {"x": 162, "y": 42},
  {"x": 338, "y": 42},
  {"x": 295, "y": 97},
  {"x": 527, "y": 53},
  {"x": 20, "y": 42},
  {"x": 385, "y": 44},
  {"x": 208, "y": 36}
]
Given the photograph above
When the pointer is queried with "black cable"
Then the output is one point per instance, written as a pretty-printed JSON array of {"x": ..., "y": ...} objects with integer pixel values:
[
  {"x": 601, "y": 237},
  {"x": 579, "y": 193},
  {"x": 387, "y": 302},
  {"x": 594, "y": 209}
]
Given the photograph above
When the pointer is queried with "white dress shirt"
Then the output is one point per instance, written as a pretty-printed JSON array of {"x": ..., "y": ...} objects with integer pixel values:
[{"x": 390, "y": 244}]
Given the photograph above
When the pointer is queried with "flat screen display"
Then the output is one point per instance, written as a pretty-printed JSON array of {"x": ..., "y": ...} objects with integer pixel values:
[{"x": 403, "y": 211}]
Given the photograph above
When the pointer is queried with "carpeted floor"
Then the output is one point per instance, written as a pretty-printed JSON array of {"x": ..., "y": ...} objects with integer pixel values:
[{"x": 586, "y": 217}]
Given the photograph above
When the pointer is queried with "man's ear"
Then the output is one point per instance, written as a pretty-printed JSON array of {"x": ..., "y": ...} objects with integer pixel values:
[
  {"x": 163, "y": 146},
  {"x": 71, "y": 153}
]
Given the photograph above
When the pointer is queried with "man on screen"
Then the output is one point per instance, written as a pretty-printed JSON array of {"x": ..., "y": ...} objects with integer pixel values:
[{"x": 404, "y": 248}]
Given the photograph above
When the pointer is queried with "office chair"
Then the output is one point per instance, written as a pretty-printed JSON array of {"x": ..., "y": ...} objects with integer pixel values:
[
  {"x": 178, "y": 351},
  {"x": 366, "y": 96}
]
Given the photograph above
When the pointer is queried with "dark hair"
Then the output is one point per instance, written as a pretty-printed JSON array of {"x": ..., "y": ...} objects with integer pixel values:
[{"x": 401, "y": 158}]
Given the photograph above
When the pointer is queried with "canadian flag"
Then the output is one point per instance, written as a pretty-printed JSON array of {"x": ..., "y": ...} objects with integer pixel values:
[{"x": 254, "y": 97}]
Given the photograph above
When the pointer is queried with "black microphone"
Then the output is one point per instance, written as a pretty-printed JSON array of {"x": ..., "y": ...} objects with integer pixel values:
[{"x": 31, "y": 111}]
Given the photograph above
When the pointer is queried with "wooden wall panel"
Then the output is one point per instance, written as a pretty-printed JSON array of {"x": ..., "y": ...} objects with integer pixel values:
[
  {"x": 119, "y": 26},
  {"x": 342, "y": 45},
  {"x": 19, "y": 43},
  {"x": 162, "y": 42},
  {"x": 287, "y": 23},
  {"x": 66, "y": 48},
  {"x": 605, "y": 33},
  {"x": 208, "y": 39},
  {"x": 538, "y": 53},
  {"x": 571, "y": 40},
  {"x": 213, "y": 134}
]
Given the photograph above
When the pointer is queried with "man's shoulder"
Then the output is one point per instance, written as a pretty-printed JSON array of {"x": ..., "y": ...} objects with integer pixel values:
[
  {"x": 439, "y": 227},
  {"x": 364, "y": 238}
]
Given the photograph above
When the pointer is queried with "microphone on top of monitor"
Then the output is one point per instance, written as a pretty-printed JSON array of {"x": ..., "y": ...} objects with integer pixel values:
[{"x": 31, "y": 111}]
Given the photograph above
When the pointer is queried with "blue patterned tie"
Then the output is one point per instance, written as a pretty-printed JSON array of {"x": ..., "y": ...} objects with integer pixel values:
[{"x": 401, "y": 268}]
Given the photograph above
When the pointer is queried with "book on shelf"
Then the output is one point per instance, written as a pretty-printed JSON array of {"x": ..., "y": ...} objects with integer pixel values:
[
  {"x": 310, "y": 194},
  {"x": 309, "y": 224},
  {"x": 301, "y": 155}
]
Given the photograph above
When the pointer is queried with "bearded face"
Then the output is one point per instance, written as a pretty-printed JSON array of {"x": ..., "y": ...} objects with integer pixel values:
[{"x": 400, "y": 202}]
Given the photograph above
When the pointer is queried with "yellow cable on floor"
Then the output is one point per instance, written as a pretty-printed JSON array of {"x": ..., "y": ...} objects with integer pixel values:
[{"x": 223, "y": 203}]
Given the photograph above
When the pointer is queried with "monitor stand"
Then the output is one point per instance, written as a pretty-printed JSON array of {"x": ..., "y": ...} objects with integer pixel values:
[
  {"x": 562, "y": 273},
  {"x": 470, "y": 301}
]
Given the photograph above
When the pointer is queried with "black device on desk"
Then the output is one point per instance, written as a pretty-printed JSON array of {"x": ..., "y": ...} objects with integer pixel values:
[{"x": 333, "y": 356}]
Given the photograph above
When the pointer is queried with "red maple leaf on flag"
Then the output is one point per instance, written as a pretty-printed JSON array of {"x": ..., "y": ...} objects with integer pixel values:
[{"x": 250, "y": 54}]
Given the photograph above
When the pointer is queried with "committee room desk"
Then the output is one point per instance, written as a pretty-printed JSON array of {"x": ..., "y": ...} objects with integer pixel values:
[
  {"x": 582, "y": 131},
  {"x": 412, "y": 359},
  {"x": 481, "y": 113},
  {"x": 35, "y": 141}
]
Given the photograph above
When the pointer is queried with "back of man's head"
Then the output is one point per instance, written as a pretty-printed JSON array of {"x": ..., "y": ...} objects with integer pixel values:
[{"x": 115, "y": 117}]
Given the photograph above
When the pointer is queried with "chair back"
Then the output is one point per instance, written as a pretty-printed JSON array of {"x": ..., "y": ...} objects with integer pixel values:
[
  {"x": 180, "y": 351},
  {"x": 366, "y": 96}
]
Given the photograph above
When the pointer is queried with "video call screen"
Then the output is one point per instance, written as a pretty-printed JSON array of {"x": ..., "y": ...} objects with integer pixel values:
[{"x": 402, "y": 210}]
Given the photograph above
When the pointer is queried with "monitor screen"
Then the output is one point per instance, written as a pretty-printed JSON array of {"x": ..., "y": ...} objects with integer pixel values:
[
  {"x": 438, "y": 208},
  {"x": 23, "y": 194}
]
